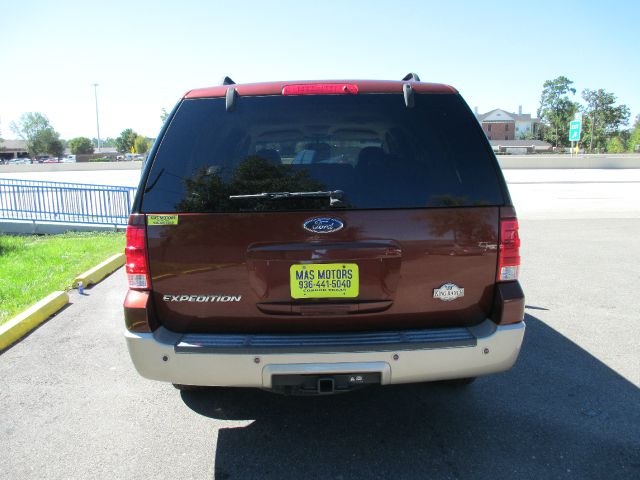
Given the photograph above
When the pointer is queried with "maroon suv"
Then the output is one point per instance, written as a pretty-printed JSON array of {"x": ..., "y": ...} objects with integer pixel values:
[{"x": 315, "y": 237}]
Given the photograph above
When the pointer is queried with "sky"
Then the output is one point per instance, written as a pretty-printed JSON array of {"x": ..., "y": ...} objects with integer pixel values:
[{"x": 145, "y": 55}]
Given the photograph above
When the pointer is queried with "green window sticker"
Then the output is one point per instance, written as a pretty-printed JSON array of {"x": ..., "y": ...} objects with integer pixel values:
[{"x": 162, "y": 219}]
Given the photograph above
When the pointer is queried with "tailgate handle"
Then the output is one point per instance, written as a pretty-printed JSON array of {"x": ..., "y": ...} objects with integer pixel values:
[{"x": 323, "y": 309}]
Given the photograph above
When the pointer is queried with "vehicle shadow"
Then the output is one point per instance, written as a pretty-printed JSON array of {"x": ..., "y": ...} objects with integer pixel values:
[{"x": 559, "y": 413}]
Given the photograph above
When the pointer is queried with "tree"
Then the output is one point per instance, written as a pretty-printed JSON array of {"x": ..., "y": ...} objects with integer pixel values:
[
  {"x": 141, "y": 145},
  {"x": 556, "y": 110},
  {"x": 54, "y": 145},
  {"x": 126, "y": 141},
  {"x": 615, "y": 145},
  {"x": 164, "y": 115},
  {"x": 80, "y": 145},
  {"x": 527, "y": 135},
  {"x": 38, "y": 134},
  {"x": 104, "y": 142},
  {"x": 633, "y": 144},
  {"x": 602, "y": 119}
]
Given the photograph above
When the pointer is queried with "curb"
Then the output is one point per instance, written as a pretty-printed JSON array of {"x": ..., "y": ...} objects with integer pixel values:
[
  {"x": 24, "y": 322},
  {"x": 97, "y": 273}
]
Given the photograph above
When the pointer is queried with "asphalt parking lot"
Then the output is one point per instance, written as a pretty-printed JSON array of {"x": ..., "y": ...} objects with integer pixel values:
[{"x": 73, "y": 406}]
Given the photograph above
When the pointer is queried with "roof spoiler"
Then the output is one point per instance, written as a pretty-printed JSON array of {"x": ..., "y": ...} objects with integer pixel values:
[{"x": 409, "y": 100}]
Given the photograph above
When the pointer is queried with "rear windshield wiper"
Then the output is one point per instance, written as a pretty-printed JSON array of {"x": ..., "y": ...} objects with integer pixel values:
[{"x": 334, "y": 196}]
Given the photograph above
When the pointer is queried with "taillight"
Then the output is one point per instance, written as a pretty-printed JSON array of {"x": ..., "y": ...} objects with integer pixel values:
[
  {"x": 320, "y": 89},
  {"x": 509, "y": 257},
  {"x": 136, "y": 254}
]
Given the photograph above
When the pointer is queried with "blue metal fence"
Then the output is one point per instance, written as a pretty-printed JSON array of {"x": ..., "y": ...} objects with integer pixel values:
[{"x": 65, "y": 202}]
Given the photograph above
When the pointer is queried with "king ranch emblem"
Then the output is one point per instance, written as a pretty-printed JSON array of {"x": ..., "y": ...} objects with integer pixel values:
[{"x": 448, "y": 292}]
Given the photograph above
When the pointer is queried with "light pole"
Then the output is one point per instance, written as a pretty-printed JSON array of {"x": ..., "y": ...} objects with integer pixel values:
[{"x": 95, "y": 91}]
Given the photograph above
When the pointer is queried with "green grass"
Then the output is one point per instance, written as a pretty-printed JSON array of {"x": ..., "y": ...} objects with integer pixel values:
[{"x": 31, "y": 267}]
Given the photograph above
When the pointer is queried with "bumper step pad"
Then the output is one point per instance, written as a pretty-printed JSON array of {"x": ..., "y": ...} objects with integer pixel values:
[{"x": 323, "y": 342}]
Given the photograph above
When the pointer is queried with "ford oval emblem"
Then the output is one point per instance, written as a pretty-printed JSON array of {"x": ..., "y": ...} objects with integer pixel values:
[{"x": 323, "y": 225}]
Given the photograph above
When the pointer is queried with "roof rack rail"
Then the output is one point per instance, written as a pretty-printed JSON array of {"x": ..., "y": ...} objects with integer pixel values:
[
  {"x": 228, "y": 81},
  {"x": 409, "y": 77}
]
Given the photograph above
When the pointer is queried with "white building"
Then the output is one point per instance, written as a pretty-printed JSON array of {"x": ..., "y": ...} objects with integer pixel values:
[{"x": 511, "y": 126}]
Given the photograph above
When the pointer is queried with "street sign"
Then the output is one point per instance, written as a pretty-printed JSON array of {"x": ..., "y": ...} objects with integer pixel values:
[{"x": 574, "y": 131}]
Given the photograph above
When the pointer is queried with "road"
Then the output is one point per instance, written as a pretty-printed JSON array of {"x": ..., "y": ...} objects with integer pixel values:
[
  {"x": 73, "y": 406},
  {"x": 539, "y": 194}
]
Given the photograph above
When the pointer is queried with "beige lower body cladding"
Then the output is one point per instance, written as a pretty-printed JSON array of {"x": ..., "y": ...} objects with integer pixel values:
[{"x": 154, "y": 357}]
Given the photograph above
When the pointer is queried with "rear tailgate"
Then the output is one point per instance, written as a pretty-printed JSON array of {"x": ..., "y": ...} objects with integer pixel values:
[{"x": 208, "y": 274}]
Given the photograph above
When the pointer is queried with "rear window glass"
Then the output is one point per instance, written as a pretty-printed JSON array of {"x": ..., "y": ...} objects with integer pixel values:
[{"x": 372, "y": 149}]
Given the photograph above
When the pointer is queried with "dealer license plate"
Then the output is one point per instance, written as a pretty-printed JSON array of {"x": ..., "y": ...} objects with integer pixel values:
[{"x": 324, "y": 280}]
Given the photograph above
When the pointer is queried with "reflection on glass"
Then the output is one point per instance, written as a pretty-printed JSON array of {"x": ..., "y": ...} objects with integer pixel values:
[
  {"x": 208, "y": 191},
  {"x": 378, "y": 152}
]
